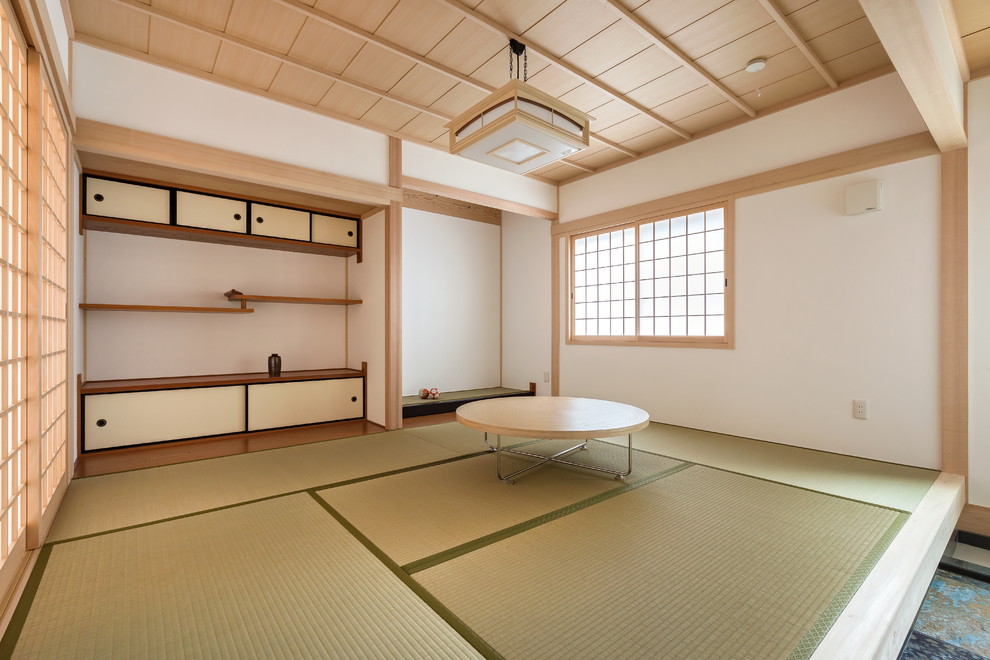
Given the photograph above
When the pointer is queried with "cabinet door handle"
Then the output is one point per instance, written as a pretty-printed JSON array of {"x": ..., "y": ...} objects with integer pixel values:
[
  {"x": 350, "y": 233},
  {"x": 353, "y": 399},
  {"x": 98, "y": 197},
  {"x": 237, "y": 216},
  {"x": 101, "y": 423},
  {"x": 259, "y": 219}
]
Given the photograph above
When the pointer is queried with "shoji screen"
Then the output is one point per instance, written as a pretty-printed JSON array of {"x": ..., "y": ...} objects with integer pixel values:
[
  {"x": 14, "y": 307},
  {"x": 53, "y": 272}
]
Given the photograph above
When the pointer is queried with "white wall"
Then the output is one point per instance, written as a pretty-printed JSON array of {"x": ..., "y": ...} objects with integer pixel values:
[
  {"x": 438, "y": 166},
  {"x": 829, "y": 309},
  {"x": 979, "y": 292},
  {"x": 450, "y": 303},
  {"x": 366, "y": 322},
  {"x": 855, "y": 117},
  {"x": 60, "y": 33},
  {"x": 75, "y": 315},
  {"x": 526, "y": 302},
  {"x": 155, "y": 271},
  {"x": 125, "y": 92}
]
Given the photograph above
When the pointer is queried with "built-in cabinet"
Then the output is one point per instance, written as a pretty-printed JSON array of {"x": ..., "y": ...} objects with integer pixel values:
[
  {"x": 127, "y": 413},
  {"x": 133, "y": 207}
]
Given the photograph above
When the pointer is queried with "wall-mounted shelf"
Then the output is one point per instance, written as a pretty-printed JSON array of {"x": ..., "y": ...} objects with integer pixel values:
[
  {"x": 236, "y": 296},
  {"x": 118, "y": 226},
  {"x": 164, "y": 308}
]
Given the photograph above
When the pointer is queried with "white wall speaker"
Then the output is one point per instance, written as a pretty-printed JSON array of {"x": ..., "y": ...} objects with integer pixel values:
[{"x": 865, "y": 197}]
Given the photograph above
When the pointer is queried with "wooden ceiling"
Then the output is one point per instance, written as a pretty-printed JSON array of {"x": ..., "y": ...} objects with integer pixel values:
[{"x": 652, "y": 73}]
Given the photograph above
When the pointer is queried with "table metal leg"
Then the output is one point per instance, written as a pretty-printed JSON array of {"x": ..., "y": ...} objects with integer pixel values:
[{"x": 556, "y": 458}]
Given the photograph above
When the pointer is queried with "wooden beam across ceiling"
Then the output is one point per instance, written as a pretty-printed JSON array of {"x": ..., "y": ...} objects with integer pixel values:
[
  {"x": 483, "y": 20},
  {"x": 296, "y": 62},
  {"x": 275, "y": 55},
  {"x": 392, "y": 47},
  {"x": 917, "y": 41},
  {"x": 799, "y": 42},
  {"x": 635, "y": 22}
]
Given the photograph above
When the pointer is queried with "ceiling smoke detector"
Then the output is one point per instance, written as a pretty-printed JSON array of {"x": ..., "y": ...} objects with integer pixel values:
[{"x": 756, "y": 64}]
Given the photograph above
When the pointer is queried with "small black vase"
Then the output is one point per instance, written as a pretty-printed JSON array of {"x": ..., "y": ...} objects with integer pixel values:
[{"x": 274, "y": 365}]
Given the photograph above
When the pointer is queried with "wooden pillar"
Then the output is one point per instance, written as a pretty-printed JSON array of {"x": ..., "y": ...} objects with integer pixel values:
[
  {"x": 393, "y": 292},
  {"x": 954, "y": 314}
]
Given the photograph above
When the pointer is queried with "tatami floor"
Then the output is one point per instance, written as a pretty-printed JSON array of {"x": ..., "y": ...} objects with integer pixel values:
[{"x": 404, "y": 544}]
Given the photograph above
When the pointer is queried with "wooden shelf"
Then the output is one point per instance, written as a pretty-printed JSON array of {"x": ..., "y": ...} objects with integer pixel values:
[
  {"x": 164, "y": 308},
  {"x": 96, "y": 223},
  {"x": 234, "y": 296},
  {"x": 183, "y": 382}
]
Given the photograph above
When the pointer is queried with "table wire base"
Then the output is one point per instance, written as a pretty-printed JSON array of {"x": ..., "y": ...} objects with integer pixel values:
[{"x": 555, "y": 458}]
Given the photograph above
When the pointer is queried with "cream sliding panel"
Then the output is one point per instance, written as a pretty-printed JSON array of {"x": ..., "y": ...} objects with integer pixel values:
[
  {"x": 280, "y": 222},
  {"x": 334, "y": 231},
  {"x": 209, "y": 212},
  {"x": 272, "y": 405},
  {"x": 136, "y": 418},
  {"x": 129, "y": 201}
]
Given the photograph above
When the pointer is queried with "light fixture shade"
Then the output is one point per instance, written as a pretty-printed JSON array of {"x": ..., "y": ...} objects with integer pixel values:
[{"x": 519, "y": 128}]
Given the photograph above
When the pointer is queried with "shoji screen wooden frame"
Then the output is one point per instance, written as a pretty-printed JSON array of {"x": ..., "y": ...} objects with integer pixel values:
[
  {"x": 35, "y": 257},
  {"x": 725, "y": 340},
  {"x": 14, "y": 247}
]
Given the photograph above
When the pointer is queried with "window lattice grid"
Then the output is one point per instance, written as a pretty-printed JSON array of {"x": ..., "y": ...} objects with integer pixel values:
[
  {"x": 605, "y": 283},
  {"x": 54, "y": 323},
  {"x": 13, "y": 279},
  {"x": 682, "y": 275}
]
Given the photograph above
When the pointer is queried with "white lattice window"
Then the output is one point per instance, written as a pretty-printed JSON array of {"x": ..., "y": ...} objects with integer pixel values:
[
  {"x": 13, "y": 299},
  {"x": 663, "y": 281}
]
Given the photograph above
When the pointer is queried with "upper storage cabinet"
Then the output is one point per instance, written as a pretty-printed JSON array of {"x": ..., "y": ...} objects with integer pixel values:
[
  {"x": 164, "y": 211},
  {"x": 128, "y": 201},
  {"x": 335, "y": 231},
  {"x": 210, "y": 212},
  {"x": 281, "y": 222}
]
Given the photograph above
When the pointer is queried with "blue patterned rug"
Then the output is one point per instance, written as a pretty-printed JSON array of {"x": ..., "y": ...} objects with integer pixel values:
[{"x": 954, "y": 621}]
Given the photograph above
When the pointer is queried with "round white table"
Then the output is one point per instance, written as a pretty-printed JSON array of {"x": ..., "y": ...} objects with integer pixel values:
[{"x": 552, "y": 418}]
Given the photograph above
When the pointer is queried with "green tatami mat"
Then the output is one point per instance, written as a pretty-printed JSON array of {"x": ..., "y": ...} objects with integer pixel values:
[
  {"x": 273, "y": 579},
  {"x": 413, "y": 515},
  {"x": 886, "y": 484},
  {"x": 453, "y": 436},
  {"x": 113, "y": 501},
  {"x": 699, "y": 564}
]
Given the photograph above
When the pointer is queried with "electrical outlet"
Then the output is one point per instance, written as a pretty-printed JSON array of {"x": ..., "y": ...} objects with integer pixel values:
[
  {"x": 546, "y": 376},
  {"x": 859, "y": 408}
]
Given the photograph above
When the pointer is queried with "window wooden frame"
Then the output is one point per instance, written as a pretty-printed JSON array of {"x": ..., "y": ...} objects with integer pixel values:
[{"x": 727, "y": 340}]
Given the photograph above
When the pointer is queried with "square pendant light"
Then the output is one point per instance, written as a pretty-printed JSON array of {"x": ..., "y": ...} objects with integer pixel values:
[{"x": 519, "y": 128}]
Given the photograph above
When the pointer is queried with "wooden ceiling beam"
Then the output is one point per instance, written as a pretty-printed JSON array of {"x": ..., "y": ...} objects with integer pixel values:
[
  {"x": 483, "y": 20},
  {"x": 392, "y": 47},
  {"x": 614, "y": 145},
  {"x": 771, "y": 7},
  {"x": 285, "y": 59},
  {"x": 918, "y": 42},
  {"x": 949, "y": 15},
  {"x": 223, "y": 36},
  {"x": 635, "y": 22}
]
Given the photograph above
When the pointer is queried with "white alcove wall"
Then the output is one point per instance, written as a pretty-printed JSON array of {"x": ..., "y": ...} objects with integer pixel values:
[
  {"x": 451, "y": 303},
  {"x": 526, "y": 302},
  {"x": 139, "y": 270}
]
